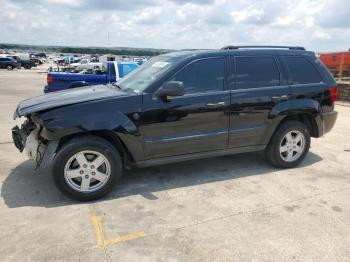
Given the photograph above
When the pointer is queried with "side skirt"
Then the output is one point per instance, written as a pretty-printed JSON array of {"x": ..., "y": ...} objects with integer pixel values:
[{"x": 193, "y": 156}]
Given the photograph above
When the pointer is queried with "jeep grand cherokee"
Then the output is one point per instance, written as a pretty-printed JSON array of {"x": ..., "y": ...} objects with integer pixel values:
[{"x": 181, "y": 106}]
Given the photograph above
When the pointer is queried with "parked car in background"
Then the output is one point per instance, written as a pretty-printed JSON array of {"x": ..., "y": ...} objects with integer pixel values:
[
  {"x": 108, "y": 73},
  {"x": 86, "y": 64},
  {"x": 139, "y": 60},
  {"x": 37, "y": 61},
  {"x": 43, "y": 55},
  {"x": 8, "y": 63},
  {"x": 181, "y": 106},
  {"x": 25, "y": 63}
]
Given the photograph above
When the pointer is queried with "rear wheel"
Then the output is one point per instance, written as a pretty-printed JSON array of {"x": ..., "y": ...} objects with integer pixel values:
[
  {"x": 9, "y": 67},
  {"x": 289, "y": 145},
  {"x": 27, "y": 66},
  {"x": 87, "y": 168}
]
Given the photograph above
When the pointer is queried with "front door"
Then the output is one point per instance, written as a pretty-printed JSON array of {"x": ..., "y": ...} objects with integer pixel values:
[{"x": 195, "y": 122}]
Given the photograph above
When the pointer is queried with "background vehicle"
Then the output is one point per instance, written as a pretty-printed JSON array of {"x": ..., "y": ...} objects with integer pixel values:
[
  {"x": 42, "y": 55},
  {"x": 85, "y": 64},
  {"x": 8, "y": 62},
  {"x": 25, "y": 63},
  {"x": 177, "y": 107},
  {"x": 109, "y": 73},
  {"x": 37, "y": 61}
]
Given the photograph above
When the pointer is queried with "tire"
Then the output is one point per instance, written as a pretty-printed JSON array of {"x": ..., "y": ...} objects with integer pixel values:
[
  {"x": 69, "y": 174},
  {"x": 9, "y": 67},
  {"x": 285, "y": 150},
  {"x": 27, "y": 66}
]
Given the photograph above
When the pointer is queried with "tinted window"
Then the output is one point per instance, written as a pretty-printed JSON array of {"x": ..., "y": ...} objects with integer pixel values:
[
  {"x": 302, "y": 71},
  {"x": 254, "y": 72},
  {"x": 203, "y": 76},
  {"x": 5, "y": 59}
]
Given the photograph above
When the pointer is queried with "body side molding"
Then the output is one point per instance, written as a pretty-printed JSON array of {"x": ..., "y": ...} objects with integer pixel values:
[{"x": 187, "y": 157}]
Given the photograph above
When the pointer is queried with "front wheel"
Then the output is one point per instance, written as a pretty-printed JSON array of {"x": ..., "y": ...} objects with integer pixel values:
[
  {"x": 9, "y": 67},
  {"x": 87, "y": 168},
  {"x": 289, "y": 145}
]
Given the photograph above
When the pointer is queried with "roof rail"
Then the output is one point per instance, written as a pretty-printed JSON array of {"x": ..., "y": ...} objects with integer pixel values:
[{"x": 232, "y": 47}]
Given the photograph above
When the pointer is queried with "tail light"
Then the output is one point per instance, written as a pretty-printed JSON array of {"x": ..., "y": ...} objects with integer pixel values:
[
  {"x": 333, "y": 94},
  {"x": 49, "y": 79}
]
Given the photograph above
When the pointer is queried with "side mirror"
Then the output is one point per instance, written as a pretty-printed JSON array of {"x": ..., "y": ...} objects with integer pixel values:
[{"x": 171, "y": 88}]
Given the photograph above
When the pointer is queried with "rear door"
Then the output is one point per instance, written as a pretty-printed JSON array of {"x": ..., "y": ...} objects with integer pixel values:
[{"x": 259, "y": 85}]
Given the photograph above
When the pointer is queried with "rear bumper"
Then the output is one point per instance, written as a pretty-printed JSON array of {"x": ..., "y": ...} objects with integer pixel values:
[{"x": 326, "y": 121}]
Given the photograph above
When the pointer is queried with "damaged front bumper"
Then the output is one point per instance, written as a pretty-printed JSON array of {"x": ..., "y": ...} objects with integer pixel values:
[
  {"x": 19, "y": 138},
  {"x": 27, "y": 137},
  {"x": 20, "y": 134}
]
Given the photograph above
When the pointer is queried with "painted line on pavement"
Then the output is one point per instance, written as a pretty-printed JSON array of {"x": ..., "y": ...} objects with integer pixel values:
[{"x": 101, "y": 241}]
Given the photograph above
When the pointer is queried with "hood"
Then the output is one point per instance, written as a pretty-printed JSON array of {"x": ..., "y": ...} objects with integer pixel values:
[{"x": 66, "y": 97}]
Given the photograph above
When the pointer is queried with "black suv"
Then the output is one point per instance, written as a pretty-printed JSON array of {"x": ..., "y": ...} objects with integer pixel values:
[
  {"x": 8, "y": 63},
  {"x": 181, "y": 106}
]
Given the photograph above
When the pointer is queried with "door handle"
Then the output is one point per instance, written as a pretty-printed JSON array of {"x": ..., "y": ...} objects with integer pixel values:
[
  {"x": 216, "y": 104},
  {"x": 280, "y": 98}
]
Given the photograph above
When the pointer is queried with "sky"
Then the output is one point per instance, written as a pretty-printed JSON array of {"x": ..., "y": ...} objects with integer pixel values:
[{"x": 319, "y": 25}]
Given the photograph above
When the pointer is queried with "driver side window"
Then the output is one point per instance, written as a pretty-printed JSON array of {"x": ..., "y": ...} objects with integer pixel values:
[{"x": 203, "y": 76}]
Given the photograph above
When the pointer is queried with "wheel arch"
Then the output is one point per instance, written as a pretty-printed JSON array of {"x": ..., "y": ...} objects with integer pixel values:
[
  {"x": 308, "y": 119},
  {"x": 110, "y": 136},
  {"x": 304, "y": 110}
]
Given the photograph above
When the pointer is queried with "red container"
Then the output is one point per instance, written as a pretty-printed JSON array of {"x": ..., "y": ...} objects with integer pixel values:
[{"x": 338, "y": 63}]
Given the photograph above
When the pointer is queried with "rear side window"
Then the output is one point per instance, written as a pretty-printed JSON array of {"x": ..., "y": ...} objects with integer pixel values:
[
  {"x": 255, "y": 72},
  {"x": 203, "y": 76},
  {"x": 302, "y": 71}
]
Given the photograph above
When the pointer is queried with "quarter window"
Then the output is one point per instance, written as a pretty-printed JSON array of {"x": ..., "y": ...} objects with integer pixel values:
[
  {"x": 203, "y": 76},
  {"x": 302, "y": 71},
  {"x": 255, "y": 72}
]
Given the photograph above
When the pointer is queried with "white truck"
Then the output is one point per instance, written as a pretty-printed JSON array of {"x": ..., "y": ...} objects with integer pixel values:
[{"x": 86, "y": 64}]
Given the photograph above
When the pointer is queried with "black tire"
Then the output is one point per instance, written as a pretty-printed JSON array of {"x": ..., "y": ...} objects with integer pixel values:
[
  {"x": 9, "y": 67},
  {"x": 88, "y": 143},
  {"x": 26, "y": 66},
  {"x": 272, "y": 151}
]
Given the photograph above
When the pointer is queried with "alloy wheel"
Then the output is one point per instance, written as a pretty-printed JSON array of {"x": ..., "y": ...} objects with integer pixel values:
[
  {"x": 292, "y": 146},
  {"x": 87, "y": 171}
]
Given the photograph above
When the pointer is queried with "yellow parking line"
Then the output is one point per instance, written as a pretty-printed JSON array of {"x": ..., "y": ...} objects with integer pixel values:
[
  {"x": 96, "y": 221},
  {"x": 124, "y": 238},
  {"x": 100, "y": 238}
]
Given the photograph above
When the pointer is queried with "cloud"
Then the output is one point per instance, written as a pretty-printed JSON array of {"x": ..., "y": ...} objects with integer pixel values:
[
  {"x": 198, "y": 2},
  {"x": 316, "y": 24},
  {"x": 250, "y": 15}
]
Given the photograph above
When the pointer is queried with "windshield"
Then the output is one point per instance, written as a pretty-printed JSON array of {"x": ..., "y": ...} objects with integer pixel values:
[{"x": 146, "y": 74}]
